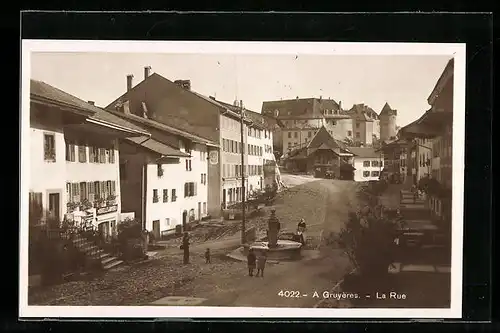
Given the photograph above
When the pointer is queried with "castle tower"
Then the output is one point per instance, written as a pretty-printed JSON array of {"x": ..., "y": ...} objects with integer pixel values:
[{"x": 387, "y": 123}]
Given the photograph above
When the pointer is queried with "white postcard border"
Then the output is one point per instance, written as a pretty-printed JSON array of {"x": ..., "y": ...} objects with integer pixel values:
[{"x": 312, "y": 48}]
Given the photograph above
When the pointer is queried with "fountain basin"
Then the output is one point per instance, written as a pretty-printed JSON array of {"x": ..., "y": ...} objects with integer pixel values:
[{"x": 285, "y": 250}]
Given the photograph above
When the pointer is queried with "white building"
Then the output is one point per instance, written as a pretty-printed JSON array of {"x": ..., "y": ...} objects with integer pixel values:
[
  {"x": 424, "y": 158},
  {"x": 164, "y": 177},
  {"x": 367, "y": 163},
  {"x": 74, "y": 160}
]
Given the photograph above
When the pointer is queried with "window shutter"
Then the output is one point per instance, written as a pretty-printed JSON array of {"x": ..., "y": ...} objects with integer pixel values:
[
  {"x": 195, "y": 185},
  {"x": 104, "y": 193},
  {"x": 186, "y": 189},
  {"x": 113, "y": 187}
]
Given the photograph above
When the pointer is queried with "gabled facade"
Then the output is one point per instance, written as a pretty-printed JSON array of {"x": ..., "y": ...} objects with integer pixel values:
[
  {"x": 321, "y": 156},
  {"x": 365, "y": 124},
  {"x": 368, "y": 163},
  {"x": 74, "y": 161},
  {"x": 302, "y": 118}
]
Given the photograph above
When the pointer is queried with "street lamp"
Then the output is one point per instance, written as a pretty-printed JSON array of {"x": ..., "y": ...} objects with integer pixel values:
[{"x": 243, "y": 198}]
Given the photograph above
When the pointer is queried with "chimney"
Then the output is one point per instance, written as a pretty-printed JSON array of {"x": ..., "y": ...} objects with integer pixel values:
[
  {"x": 130, "y": 77},
  {"x": 91, "y": 102},
  {"x": 212, "y": 97},
  {"x": 147, "y": 72},
  {"x": 185, "y": 84},
  {"x": 340, "y": 105}
]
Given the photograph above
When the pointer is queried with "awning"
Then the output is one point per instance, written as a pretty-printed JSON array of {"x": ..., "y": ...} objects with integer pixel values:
[{"x": 157, "y": 147}]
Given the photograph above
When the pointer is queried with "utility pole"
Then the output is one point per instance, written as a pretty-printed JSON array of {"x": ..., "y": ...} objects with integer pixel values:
[{"x": 243, "y": 169}]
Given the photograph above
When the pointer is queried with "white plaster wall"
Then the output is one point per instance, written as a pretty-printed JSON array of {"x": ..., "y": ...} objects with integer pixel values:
[
  {"x": 46, "y": 175},
  {"x": 358, "y": 165},
  {"x": 174, "y": 177},
  {"x": 89, "y": 172}
]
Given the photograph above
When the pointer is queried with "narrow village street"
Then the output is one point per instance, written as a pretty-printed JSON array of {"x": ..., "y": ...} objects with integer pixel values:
[{"x": 225, "y": 282}]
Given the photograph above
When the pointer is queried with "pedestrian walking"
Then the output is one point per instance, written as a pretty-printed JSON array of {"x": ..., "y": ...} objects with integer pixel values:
[
  {"x": 207, "y": 256},
  {"x": 261, "y": 263},
  {"x": 251, "y": 258}
]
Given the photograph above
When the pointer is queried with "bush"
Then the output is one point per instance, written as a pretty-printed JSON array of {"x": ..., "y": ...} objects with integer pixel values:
[
  {"x": 131, "y": 239},
  {"x": 368, "y": 240}
]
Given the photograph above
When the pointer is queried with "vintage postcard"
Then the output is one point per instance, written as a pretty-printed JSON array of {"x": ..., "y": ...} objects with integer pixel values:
[{"x": 163, "y": 179}]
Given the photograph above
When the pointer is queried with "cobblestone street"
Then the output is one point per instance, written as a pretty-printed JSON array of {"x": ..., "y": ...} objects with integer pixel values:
[{"x": 324, "y": 205}]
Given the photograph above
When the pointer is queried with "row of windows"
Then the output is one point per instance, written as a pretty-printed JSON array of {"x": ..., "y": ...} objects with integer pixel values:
[
  {"x": 373, "y": 163},
  {"x": 371, "y": 173},
  {"x": 254, "y": 150},
  {"x": 231, "y": 146},
  {"x": 190, "y": 190},
  {"x": 90, "y": 191},
  {"x": 173, "y": 197},
  {"x": 234, "y": 170},
  {"x": 96, "y": 154}
]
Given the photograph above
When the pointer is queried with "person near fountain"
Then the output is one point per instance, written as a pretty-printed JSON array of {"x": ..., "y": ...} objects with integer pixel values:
[
  {"x": 251, "y": 258},
  {"x": 261, "y": 263},
  {"x": 274, "y": 227}
]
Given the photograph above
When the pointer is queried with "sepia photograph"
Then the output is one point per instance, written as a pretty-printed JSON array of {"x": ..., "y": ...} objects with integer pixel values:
[{"x": 201, "y": 179}]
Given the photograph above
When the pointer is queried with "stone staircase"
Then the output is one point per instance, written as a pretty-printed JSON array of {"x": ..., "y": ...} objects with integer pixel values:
[
  {"x": 420, "y": 230},
  {"x": 92, "y": 251}
]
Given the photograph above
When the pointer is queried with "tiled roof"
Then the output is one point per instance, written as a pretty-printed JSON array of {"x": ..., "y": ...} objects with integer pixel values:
[
  {"x": 299, "y": 108},
  {"x": 157, "y": 147},
  {"x": 52, "y": 94},
  {"x": 322, "y": 137},
  {"x": 168, "y": 103},
  {"x": 154, "y": 124},
  {"x": 387, "y": 110},
  {"x": 108, "y": 117},
  {"x": 363, "y": 111},
  {"x": 366, "y": 152},
  {"x": 417, "y": 129}
]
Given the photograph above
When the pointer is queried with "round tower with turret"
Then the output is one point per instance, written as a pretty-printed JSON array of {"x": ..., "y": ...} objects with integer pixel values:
[{"x": 388, "y": 123}]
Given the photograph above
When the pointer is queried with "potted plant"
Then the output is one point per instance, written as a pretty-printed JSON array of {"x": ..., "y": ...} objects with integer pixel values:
[
  {"x": 71, "y": 206},
  {"x": 86, "y": 204},
  {"x": 111, "y": 199}
]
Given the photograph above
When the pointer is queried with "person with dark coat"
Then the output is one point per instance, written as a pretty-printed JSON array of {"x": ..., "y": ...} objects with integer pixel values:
[
  {"x": 261, "y": 263},
  {"x": 251, "y": 258},
  {"x": 185, "y": 247}
]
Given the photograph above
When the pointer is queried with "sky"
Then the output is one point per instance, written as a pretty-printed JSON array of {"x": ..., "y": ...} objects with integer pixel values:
[{"x": 403, "y": 81}]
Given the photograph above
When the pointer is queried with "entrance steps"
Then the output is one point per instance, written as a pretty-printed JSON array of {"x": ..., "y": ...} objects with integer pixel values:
[{"x": 92, "y": 251}]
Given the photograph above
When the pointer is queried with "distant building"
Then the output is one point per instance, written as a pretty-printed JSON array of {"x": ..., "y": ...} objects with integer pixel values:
[
  {"x": 321, "y": 156},
  {"x": 302, "y": 118},
  {"x": 367, "y": 162},
  {"x": 387, "y": 119},
  {"x": 365, "y": 124}
]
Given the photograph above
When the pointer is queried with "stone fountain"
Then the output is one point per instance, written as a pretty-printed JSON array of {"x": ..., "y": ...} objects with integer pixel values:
[{"x": 276, "y": 249}]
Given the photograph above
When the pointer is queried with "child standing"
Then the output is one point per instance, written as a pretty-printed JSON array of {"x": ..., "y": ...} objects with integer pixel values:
[
  {"x": 251, "y": 262},
  {"x": 261, "y": 263},
  {"x": 207, "y": 256}
]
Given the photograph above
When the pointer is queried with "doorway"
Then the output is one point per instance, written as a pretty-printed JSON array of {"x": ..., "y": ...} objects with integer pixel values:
[
  {"x": 54, "y": 207},
  {"x": 104, "y": 231},
  {"x": 156, "y": 229}
]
